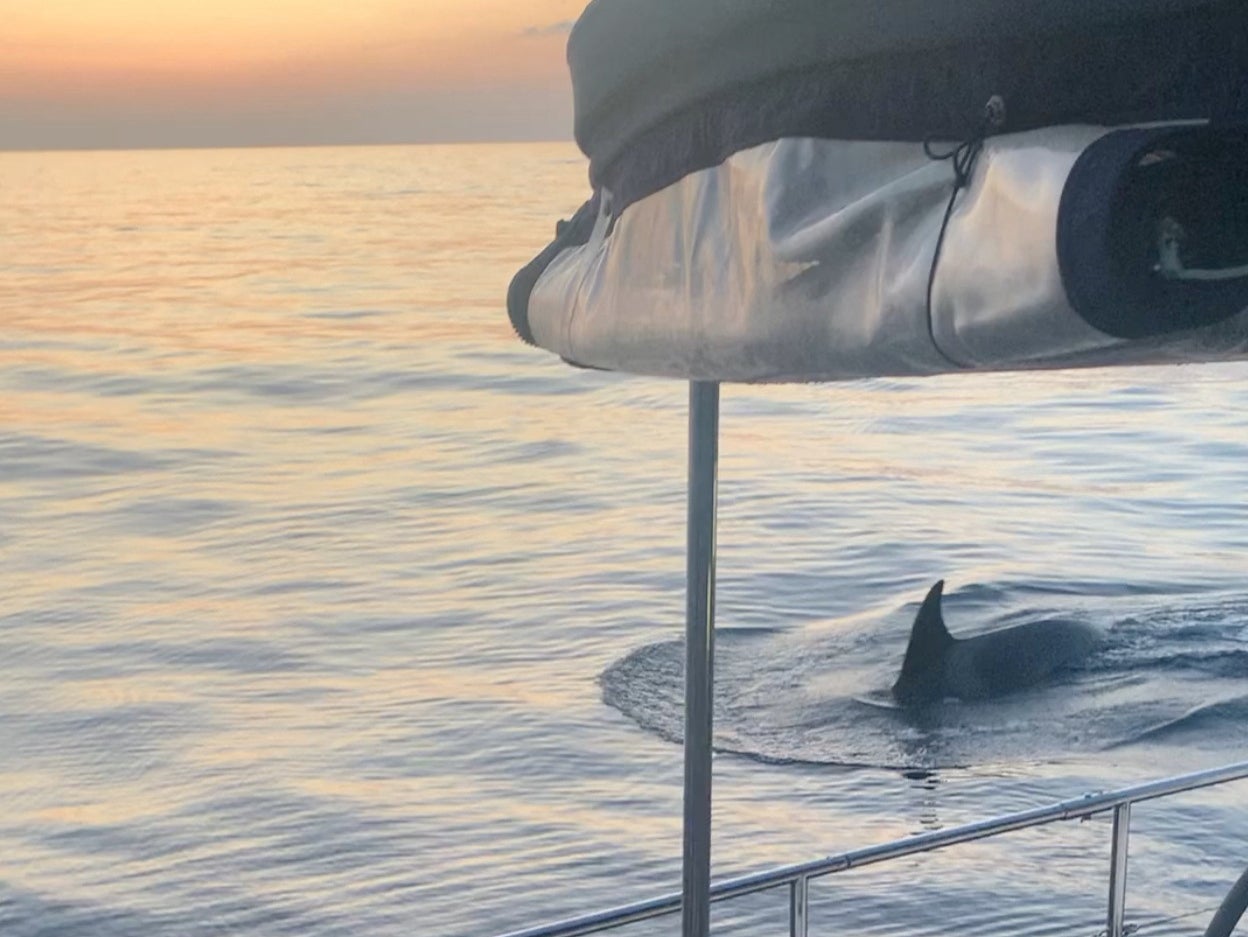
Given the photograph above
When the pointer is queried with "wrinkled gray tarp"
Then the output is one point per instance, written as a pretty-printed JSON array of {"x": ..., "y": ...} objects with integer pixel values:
[{"x": 807, "y": 259}]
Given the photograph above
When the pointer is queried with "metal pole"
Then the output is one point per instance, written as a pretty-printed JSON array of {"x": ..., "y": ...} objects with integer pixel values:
[
  {"x": 799, "y": 904},
  {"x": 1118, "y": 871},
  {"x": 699, "y": 655}
]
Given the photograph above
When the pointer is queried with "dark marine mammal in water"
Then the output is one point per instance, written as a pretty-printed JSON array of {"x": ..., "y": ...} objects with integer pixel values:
[{"x": 938, "y": 665}]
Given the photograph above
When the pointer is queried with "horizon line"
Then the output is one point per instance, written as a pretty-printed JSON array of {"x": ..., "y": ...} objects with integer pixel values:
[{"x": 122, "y": 148}]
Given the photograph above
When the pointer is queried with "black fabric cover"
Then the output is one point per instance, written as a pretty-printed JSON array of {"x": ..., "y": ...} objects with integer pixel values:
[
  {"x": 1094, "y": 61},
  {"x": 635, "y": 62}
]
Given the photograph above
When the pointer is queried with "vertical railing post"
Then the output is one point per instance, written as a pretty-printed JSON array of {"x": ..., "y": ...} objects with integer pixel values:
[
  {"x": 699, "y": 655},
  {"x": 799, "y": 898},
  {"x": 1118, "y": 871}
]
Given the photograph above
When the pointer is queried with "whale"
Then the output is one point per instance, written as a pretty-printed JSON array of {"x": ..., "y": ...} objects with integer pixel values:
[{"x": 938, "y": 665}]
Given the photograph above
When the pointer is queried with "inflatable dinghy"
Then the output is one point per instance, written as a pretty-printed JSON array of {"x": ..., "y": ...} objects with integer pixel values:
[{"x": 820, "y": 190}]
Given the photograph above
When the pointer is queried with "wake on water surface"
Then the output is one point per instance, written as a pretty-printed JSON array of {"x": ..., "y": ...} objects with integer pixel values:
[{"x": 1169, "y": 670}]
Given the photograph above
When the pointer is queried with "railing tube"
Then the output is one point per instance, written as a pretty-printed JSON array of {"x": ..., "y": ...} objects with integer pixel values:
[
  {"x": 1118, "y": 870},
  {"x": 1119, "y": 801}
]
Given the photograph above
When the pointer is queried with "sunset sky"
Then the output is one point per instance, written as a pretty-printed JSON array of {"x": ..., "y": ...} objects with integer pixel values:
[{"x": 133, "y": 73}]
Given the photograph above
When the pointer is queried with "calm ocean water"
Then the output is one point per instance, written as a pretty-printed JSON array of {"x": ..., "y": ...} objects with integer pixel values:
[{"x": 328, "y": 607}]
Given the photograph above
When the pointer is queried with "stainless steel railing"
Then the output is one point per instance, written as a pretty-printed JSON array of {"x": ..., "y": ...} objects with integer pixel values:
[{"x": 799, "y": 876}]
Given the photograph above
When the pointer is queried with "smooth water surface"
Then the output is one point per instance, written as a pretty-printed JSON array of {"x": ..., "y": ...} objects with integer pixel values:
[{"x": 328, "y": 607}]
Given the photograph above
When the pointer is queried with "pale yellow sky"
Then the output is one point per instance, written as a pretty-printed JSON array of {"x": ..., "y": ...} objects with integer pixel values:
[{"x": 147, "y": 72}]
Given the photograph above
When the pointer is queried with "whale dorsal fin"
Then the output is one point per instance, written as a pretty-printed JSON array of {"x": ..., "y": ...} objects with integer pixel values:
[{"x": 929, "y": 638}]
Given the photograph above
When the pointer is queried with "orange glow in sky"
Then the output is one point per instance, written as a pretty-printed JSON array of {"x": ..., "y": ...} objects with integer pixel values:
[{"x": 63, "y": 61}]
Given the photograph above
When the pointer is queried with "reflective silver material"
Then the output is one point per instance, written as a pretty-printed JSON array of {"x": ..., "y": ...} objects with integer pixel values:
[{"x": 809, "y": 259}]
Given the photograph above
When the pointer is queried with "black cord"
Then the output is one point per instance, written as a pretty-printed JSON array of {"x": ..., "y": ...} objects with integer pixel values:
[{"x": 963, "y": 158}]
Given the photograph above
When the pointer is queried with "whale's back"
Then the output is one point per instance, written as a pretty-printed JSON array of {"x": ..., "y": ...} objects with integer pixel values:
[{"x": 1014, "y": 658}]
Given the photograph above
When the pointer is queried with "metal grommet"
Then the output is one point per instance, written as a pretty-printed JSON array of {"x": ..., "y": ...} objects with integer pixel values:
[{"x": 994, "y": 112}]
